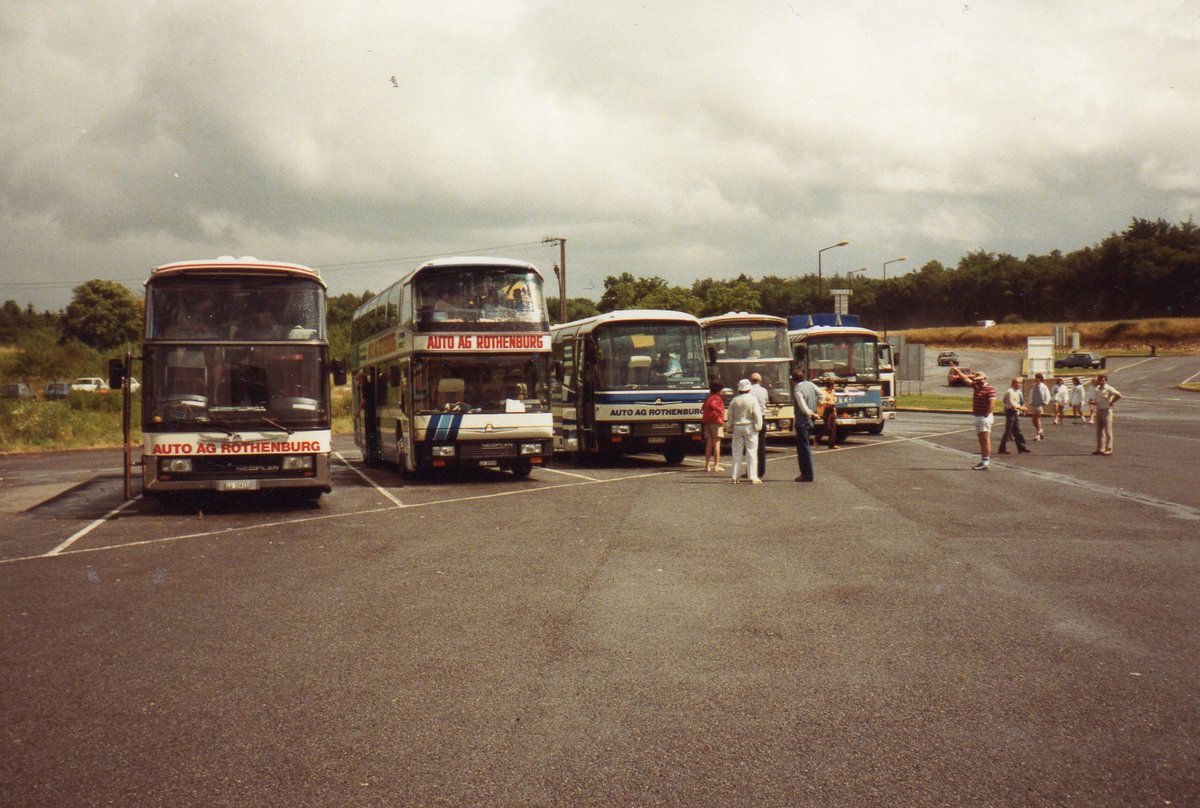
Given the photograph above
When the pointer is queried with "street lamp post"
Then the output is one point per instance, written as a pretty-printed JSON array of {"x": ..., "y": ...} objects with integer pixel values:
[
  {"x": 823, "y": 249},
  {"x": 850, "y": 278},
  {"x": 885, "y": 265},
  {"x": 561, "y": 271}
]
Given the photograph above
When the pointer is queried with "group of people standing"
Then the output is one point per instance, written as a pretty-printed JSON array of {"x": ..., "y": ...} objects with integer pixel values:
[
  {"x": 744, "y": 420},
  {"x": 1041, "y": 400}
]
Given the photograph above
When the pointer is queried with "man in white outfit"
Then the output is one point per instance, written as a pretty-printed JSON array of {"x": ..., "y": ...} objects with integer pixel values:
[{"x": 745, "y": 420}]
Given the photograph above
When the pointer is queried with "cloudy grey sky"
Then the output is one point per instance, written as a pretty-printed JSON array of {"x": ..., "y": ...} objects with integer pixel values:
[{"x": 684, "y": 140}]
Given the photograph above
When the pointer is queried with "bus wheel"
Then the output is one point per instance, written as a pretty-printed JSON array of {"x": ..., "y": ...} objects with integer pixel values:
[
  {"x": 674, "y": 455},
  {"x": 311, "y": 494},
  {"x": 521, "y": 469},
  {"x": 877, "y": 429}
]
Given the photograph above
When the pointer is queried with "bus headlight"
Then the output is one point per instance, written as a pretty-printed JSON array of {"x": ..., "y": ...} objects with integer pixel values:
[
  {"x": 297, "y": 462},
  {"x": 531, "y": 448},
  {"x": 443, "y": 451},
  {"x": 692, "y": 429},
  {"x": 785, "y": 424},
  {"x": 175, "y": 465},
  {"x": 620, "y": 429}
]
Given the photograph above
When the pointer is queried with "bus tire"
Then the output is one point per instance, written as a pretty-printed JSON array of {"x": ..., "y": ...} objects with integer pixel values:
[
  {"x": 877, "y": 429},
  {"x": 521, "y": 469},
  {"x": 311, "y": 494},
  {"x": 674, "y": 455}
]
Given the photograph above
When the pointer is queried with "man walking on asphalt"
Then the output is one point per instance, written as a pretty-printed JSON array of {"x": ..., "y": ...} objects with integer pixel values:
[
  {"x": 982, "y": 401},
  {"x": 1039, "y": 399},
  {"x": 764, "y": 398},
  {"x": 806, "y": 396},
  {"x": 1014, "y": 405}
]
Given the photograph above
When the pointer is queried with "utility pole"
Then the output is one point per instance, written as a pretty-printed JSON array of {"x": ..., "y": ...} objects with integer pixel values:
[{"x": 560, "y": 270}]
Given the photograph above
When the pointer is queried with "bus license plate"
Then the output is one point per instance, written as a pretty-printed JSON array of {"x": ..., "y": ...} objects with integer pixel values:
[
  {"x": 656, "y": 440},
  {"x": 489, "y": 463},
  {"x": 237, "y": 485}
]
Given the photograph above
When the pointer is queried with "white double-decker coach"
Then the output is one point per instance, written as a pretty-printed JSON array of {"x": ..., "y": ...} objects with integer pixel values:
[{"x": 452, "y": 368}]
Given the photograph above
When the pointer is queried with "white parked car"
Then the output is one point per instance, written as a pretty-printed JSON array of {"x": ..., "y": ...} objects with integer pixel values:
[{"x": 90, "y": 384}]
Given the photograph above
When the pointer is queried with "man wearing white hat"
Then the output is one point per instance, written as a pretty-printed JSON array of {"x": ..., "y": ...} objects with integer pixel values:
[{"x": 745, "y": 421}]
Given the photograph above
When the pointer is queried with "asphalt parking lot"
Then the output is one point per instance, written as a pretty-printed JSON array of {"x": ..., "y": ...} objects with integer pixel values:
[{"x": 902, "y": 632}]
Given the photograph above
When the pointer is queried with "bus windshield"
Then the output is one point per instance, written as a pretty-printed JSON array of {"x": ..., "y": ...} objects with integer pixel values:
[
  {"x": 635, "y": 356},
  {"x": 236, "y": 385},
  {"x": 241, "y": 307},
  {"x": 487, "y": 298},
  {"x": 735, "y": 341},
  {"x": 776, "y": 376},
  {"x": 847, "y": 356},
  {"x": 482, "y": 383}
]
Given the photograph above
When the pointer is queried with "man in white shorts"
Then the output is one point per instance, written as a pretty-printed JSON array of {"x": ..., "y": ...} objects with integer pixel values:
[{"x": 982, "y": 401}]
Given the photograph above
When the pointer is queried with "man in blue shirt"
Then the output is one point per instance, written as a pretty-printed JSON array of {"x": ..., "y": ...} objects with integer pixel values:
[{"x": 806, "y": 396}]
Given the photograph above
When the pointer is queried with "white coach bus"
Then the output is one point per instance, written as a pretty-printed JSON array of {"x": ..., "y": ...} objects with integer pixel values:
[{"x": 628, "y": 382}]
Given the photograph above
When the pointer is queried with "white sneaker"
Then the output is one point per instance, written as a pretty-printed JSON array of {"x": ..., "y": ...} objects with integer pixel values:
[{"x": 981, "y": 467}]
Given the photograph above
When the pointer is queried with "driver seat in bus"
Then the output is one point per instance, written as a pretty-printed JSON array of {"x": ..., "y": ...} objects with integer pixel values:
[
  {"x": 639, "y": 370},
  {"x": 449, "y": 391}
]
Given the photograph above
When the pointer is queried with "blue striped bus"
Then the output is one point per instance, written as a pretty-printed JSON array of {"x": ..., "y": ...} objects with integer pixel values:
[{"x": 627, "y": 382}]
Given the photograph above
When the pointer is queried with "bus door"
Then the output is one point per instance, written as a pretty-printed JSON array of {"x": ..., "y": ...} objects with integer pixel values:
[
  {"x": 370, "y": 407},
  {"x": 405, "y": 407},
  {"x": 586, "y": 369}
]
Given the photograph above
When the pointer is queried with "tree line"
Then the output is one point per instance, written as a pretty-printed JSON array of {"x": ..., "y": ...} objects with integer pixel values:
[{"x": 1151, "y": 269}]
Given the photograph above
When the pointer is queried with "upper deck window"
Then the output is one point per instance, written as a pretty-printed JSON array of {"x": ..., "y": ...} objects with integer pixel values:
[
  {"x": 239, "y": 308},
  {"x": 483, "y": 299}
]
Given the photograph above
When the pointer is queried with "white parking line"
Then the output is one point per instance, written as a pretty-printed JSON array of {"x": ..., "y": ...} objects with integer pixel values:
[
  {"x": 60, "y": 551},
  {"x": 568, "y": 473},
  {"x": 372, "y": 483},
  {"x": 81, "y": 533}
]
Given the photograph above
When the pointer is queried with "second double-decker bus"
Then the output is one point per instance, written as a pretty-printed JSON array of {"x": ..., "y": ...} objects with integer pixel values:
[
  {"x": 827, "y": 347},
  {"x": 629, "y": 381},
  {"x": 451, "y": 368},
  {"x": 235, "y": 384},
  {"x": 740, "y": 344}
]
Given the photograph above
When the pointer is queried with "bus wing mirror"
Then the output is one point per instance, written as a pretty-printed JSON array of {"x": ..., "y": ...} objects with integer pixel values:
[
  {"x": 711, "y": 352},
  {"x": 116, "y": 374},
  {"x": 338, "y": 367},
  {"x": 394, "y": 376},
  {"x": 558, "y": 370}
]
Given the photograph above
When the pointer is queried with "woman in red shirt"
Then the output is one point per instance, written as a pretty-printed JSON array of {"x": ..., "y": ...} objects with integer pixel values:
[{"x": 712, "y": 416}]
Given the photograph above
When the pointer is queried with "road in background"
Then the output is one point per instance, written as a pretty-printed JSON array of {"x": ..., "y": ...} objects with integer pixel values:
[{"x": 904, "y": 631}]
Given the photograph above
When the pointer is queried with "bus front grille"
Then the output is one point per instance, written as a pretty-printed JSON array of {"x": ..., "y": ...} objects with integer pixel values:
[
  {"x": 640, "y": 429},
  {"x": 486, "y": 450}
]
